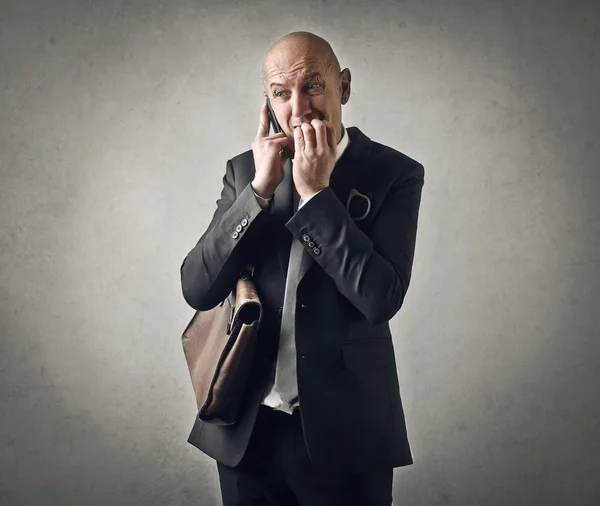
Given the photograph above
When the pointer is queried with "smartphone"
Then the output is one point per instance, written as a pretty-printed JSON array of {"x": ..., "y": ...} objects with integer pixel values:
[
  {"x": 274, "y": 123},
  {"x": 277, "y": 127}
]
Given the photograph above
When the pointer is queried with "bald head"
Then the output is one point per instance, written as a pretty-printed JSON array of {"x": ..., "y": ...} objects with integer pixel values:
[{"x": 296, "y": 45}]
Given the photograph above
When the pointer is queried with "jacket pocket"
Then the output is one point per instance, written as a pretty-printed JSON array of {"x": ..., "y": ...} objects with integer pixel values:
[{"x": 368, "y": 353}]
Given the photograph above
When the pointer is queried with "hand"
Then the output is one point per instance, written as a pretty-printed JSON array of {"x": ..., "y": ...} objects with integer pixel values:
[
  {"x": 269, "y": 157},
  {"x": 314, "y": 158}
]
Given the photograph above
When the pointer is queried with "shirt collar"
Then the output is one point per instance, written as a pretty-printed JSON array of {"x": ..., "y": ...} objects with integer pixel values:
[{"x": 343, "y": 144}]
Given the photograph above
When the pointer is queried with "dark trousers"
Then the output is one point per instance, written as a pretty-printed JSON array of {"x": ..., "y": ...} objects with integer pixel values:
[{"x": 276, "y": 471}]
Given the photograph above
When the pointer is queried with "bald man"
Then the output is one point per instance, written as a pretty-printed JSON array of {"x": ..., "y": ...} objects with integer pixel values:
[{"x": 328, "y": 218}]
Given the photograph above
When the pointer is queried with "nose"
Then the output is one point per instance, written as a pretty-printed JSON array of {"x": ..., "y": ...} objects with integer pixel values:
[{"x": 301, "y": 106}]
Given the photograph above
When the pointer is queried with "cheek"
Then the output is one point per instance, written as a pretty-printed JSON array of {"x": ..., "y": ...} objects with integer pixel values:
[
  {"x": 324, "y": 105},
  {"x": 284, "y": 114}
]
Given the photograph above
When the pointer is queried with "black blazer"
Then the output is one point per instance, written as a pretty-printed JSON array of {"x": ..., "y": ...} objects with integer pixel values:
[{"x": 355, "y": 274}]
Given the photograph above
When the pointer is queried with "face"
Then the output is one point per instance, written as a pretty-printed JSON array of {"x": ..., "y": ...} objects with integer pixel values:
[{"x": 302, "y": 87}]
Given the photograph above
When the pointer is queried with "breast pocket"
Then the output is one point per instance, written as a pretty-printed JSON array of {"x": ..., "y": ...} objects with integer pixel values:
[{"x": 368, "y": 353}]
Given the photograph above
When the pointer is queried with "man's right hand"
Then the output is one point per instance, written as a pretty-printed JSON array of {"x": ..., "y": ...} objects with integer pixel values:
[{"x": 269, "y": 157}]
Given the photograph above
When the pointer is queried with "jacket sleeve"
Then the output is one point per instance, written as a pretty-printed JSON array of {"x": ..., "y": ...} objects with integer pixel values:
[
  {"x": 211, "y": 269},
  {"x": 372, "y": 272}
]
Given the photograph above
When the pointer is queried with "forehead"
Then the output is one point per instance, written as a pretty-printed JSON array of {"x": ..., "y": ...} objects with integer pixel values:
[{"x": 292, "y": 63}]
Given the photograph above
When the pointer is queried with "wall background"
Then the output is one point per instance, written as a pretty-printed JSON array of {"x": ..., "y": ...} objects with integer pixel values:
[{"x": 117, "y": 118}]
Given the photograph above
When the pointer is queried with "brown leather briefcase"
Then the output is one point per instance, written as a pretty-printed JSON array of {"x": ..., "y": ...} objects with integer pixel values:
[{"x": 218, "y": 345}]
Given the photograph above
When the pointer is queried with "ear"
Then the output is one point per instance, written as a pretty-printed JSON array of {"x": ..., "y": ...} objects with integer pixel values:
[{"x": 345, "y": 78}]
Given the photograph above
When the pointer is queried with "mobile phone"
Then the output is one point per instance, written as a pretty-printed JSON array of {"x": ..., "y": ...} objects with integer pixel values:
[
  {"x": 274, "y": 123},
  {"x": 277, "y": 127}
]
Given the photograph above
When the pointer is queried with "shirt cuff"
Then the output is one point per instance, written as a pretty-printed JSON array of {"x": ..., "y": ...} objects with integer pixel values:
[
  {"x": 262, "y": 202},
  {"x": 305, "y": 201}
]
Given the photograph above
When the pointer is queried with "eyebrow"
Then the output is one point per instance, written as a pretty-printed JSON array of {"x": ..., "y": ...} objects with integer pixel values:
[{"x": 311, "y": 76}]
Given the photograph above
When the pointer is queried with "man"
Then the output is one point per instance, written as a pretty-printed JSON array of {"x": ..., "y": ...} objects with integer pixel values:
[{"x": 331, "y": 234}]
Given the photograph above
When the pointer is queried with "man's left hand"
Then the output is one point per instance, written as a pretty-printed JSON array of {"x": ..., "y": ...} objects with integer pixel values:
[{"x": 314, "y": 158}]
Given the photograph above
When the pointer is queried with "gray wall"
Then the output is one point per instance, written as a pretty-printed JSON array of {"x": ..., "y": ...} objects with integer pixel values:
[{"x": 116, "y": 121}]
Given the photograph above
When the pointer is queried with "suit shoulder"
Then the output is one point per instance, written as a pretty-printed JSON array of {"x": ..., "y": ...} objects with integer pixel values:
[
  {"x": 397, "y": 161},
  {"x": 244, "y": 159}
]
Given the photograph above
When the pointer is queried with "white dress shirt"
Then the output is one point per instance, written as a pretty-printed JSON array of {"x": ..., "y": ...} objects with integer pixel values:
[{"x": 271, "y": 397}]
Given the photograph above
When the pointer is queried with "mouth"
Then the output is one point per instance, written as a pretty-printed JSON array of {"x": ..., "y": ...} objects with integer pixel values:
[{"x": 319, "y": 116}]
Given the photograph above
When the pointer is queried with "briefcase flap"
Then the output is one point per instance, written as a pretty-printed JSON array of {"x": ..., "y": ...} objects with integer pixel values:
[{"x": 248, "y": 308}]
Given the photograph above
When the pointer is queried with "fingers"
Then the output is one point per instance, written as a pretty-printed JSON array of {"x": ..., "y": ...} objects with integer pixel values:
[
  {"x": 298, "y": 140},
  {"x": 263, "y": 124},
  {"x": 331, "y": 140},
  {"x": 279, "y": 142},
  {"x": 315, "y": 136},
  {"x": 324, "y": 134},
  {"x": 321, "y": 134},
  {"x": 309, "y": 136}
]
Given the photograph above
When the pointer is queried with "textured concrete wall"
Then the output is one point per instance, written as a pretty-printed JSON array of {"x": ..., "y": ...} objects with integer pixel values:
[{"x": 117, "y": 118}]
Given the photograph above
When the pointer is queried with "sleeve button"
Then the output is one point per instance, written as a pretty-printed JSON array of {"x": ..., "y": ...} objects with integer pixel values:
[
  {"x": 244, "y": 222},
  {"x": 235, "y": 235},
  {"x": 305, "y": 238},
  {"x": 316, "y": 251},
  {"x": 238, "y": 228}
]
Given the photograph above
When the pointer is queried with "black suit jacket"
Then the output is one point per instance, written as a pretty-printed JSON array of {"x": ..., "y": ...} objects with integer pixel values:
[{"x": 355, "y": 275}]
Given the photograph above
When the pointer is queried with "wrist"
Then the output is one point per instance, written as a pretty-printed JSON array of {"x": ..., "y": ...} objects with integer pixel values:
[{"x": 262, "y": 190}]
